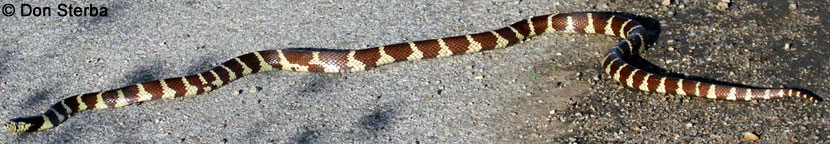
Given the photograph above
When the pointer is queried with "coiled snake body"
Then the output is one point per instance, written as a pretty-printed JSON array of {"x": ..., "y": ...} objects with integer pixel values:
[{"x": 335, "y": 61}]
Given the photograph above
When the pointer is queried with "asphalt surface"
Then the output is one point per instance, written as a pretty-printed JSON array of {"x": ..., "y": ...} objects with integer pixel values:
[{"x": 548, "y": 89}]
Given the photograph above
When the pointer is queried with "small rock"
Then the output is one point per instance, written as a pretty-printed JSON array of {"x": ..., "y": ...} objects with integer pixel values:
[
  {"x": 787, "y": 46},
  {"x": 479, "y": 77},
  {"x": 715, "y": 137},
  {"x": 793, "y": 6},
  {"x": 470, "y": 65},
  {"x": 688, "y": 125},
  {"x": 749, "y": 136},
  {"x": 670, "y": 42},
  {"x": 251, "y": 90},
  {"x": 670, "y": 61},
  {"x": 666, "y": 2},
  {"x": 723, "y": 5}
]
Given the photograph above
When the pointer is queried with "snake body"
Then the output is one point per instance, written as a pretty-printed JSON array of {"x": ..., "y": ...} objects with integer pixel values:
[{"x": 339, "y": 61}]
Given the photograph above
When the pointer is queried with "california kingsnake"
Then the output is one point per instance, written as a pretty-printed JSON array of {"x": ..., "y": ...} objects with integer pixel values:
[{"x": 339, "y": 61}]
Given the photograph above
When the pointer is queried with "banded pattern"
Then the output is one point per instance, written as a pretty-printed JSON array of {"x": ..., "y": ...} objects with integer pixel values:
[{"x": 340, "y": 61}]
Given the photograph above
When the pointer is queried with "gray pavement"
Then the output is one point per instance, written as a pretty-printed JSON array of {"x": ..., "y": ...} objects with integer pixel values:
[{"x": 548, "y": 89}]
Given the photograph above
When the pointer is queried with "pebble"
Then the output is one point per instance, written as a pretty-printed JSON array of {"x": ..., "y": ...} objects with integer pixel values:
[
  {"x": 479, "y": 77},
  {"x": 251, "y": 90},
  {"x": 670, "y": 61},
  {"x": 793, "y": 6},
  {"x": 470, "y": 65},
  {"x": 715, "y": 137},
  {"x": 723, "y": 4},
  {"x": 787, "y": 46},
  {"x": 666, "y": 2},
  {"x": 749, "y": 136}
]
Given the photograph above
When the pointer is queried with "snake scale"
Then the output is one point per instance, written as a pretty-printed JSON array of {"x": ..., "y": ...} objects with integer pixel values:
[{"x": 340, "y": 61}]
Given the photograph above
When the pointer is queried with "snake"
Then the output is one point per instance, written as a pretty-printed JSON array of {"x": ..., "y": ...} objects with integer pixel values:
[{"x": 634, "y": 38}]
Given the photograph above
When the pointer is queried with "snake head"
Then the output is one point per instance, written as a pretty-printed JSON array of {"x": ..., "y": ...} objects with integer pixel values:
[
  {"x": 13, "y": 126},
  {"x": 22, "y": 124}
]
